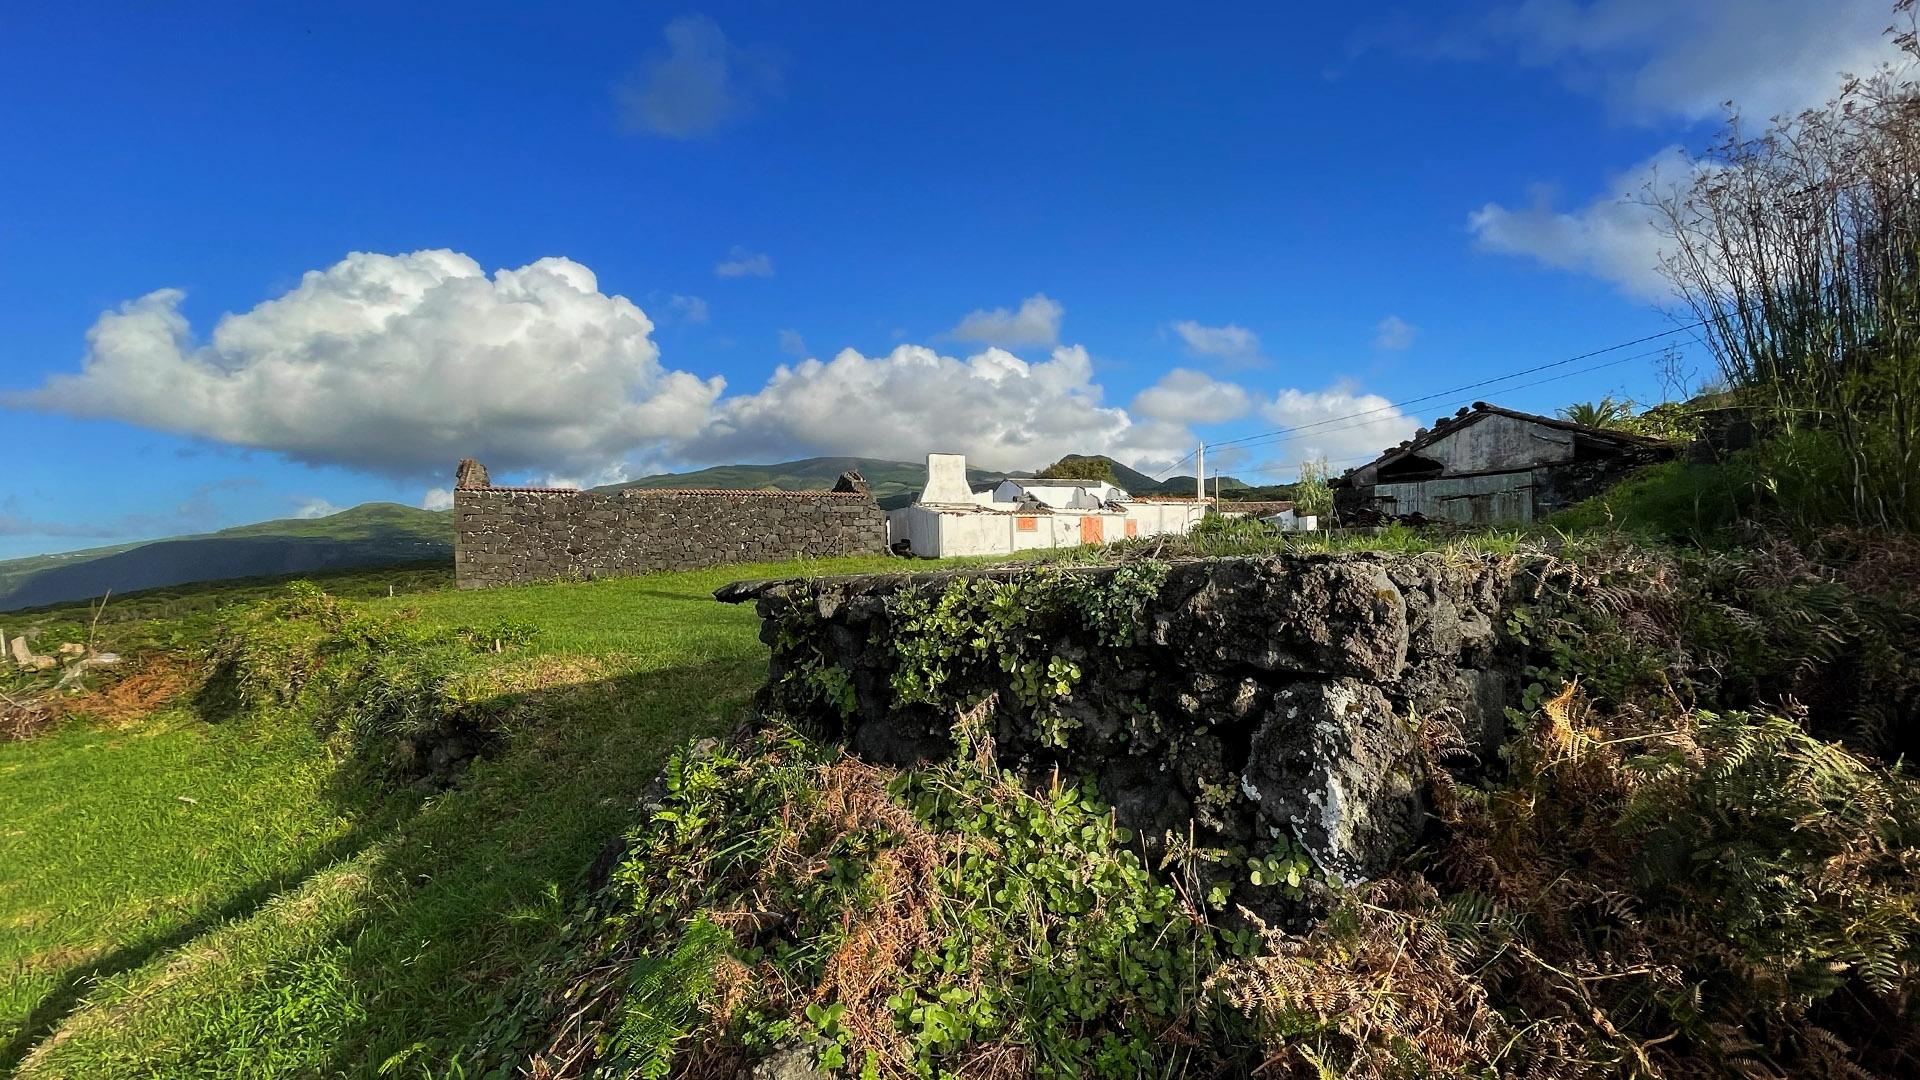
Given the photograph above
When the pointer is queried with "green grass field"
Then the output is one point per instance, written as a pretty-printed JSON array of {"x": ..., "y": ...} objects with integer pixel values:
[{"x": 182, "y": 898}]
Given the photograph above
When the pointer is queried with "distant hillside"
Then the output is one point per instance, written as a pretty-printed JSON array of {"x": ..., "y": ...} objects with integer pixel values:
[
  {"x": 386, "y": 534},
  {"x": 894, "y": 483},
  {"x": 1183, "y": 485},
  {"x": 1138, "y": 483},
  {"x": 374, "y": 534}
]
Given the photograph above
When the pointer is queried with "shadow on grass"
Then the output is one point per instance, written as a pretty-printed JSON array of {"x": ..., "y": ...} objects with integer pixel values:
[
  {"x": 469, "y": 888},
  {"x": 497, "y": 863},
  {"x": 64, "y": 997}
]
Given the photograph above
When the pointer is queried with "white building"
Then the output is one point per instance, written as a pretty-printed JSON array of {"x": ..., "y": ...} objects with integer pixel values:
[
  {"x": 1084, "y": 495},
  {"x": 1293, "y": 521},
  {"x": 950, "y": 518}
]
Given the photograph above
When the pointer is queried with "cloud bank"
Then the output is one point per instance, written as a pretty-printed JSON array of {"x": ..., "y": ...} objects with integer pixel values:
[
  {"x": 398, "y": 364},
  {"x": 1004, "y": 412},
  {"x": 402, "y": 364}
]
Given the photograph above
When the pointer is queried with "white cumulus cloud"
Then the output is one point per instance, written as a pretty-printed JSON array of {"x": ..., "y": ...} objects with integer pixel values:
[
  {"x": 699, "y": 82},
  {"x": 399, "y": 364},
  {"x": 1037, "y": 322},
  {"x": 403, "y": 364},
  {"x": 1185, "y": 396},
  {"x": 1394, "y": 333},
  {"x": 1655, "y": 59},
  {"x": 743, "y": 263},
  {"x": 1001, "y": 411},
  {"x": 1339, "y": 423},
  {"x": 439, "y": 498},
  {"x": 1614, "y": 237},
  {"x": 1235, "y": 346}
]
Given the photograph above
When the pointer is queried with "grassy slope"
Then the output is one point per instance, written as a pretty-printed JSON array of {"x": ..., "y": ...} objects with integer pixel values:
[
  {"x": 120, "y": 844},
  {"x": 264, "y": 960}
]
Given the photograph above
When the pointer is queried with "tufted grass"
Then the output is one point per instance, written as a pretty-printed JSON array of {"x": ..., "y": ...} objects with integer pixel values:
[
  {"x": 290, "y": 923},
  {"x": 120, "y": 844}
]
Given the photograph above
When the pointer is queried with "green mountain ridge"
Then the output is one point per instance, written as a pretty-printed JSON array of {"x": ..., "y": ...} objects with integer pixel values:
[
  {"x": 886, "y": 479},
  {"x": 371, "y": 534}
]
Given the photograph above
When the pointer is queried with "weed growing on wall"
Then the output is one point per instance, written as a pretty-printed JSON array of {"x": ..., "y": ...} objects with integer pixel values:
[{"x": 972, "y": 629}]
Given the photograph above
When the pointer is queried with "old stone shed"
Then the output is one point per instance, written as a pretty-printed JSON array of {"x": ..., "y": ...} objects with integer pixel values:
[
  {"x": 517, "y": 535},
  {"x": 1488, "y": 464}
]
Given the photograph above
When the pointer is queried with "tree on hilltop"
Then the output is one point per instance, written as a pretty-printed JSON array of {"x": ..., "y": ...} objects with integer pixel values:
[{"x": 1072, "y": 467}]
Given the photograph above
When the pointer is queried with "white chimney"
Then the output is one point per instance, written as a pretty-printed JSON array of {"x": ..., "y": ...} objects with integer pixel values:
[{"x": 947, "y": 480}]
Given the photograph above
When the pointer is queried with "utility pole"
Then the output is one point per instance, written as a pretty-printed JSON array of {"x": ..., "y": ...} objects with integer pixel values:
[{"x": 1200, "y": 474}]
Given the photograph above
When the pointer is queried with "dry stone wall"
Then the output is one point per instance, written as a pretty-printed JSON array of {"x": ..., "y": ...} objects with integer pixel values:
[
  {"x": 512, "y": 536},
  {"x": 1255, "y": 697}
]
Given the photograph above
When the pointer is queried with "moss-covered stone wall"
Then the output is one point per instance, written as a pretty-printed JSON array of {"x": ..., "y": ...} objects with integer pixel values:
[{"x": 1246, "y": 701}]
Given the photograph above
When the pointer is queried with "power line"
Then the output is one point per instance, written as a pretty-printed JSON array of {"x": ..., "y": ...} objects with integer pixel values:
[
  {"x": 1480, "y": 384},
  {"x": 1286, "y": 434},
  {"x": 1290, "y": 434},
  {"x": 1162, "y": 474}
]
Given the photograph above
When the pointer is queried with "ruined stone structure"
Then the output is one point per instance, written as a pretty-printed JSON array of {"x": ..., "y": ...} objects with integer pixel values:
[
  {"x": 1260, "y": 696},
  {"x": 1489, "y": 465},
  {"x": 513, "y": 536}
]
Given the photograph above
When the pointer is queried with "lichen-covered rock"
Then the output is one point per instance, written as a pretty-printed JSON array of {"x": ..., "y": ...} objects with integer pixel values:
[
  {"x": 1336, "y": 767},
  {"x": 1246, "y": 698},
  {"x": 790, "y": 1061}
]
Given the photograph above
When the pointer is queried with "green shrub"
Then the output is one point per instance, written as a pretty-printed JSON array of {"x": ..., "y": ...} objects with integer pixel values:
[
  {"x": 382, "y": 681},
  {"x": 1726, "y": 631},
  {"x": 1674, "y": 500},
  {"x": 905, "y": 923},
  {"x": 976, "y": 629},
  {"x": 1660, "y": 877}
]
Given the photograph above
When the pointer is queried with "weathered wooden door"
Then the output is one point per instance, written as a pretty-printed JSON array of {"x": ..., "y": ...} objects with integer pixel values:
[{"x": 1091, "y": 531}]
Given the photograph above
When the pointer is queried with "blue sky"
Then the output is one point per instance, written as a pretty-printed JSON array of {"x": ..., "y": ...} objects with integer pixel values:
[{"x": 1074, "y": 227}]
